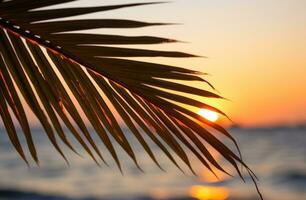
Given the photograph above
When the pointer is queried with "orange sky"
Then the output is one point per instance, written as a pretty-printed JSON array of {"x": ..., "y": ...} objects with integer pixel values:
[{"x": 256, "y": 51}]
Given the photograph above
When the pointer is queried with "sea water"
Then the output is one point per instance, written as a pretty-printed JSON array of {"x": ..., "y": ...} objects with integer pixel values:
[{"x": 277, "y": 156}]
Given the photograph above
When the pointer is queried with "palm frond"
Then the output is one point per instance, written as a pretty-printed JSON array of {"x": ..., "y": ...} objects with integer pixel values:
[{"x": 41, "y": 58}]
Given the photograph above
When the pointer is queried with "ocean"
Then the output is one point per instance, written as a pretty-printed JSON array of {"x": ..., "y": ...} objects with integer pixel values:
[{"x": 277, "y": 156}]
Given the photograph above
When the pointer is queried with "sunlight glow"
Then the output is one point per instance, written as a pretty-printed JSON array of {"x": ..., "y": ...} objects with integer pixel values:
[{"x": 209, "y": 115}]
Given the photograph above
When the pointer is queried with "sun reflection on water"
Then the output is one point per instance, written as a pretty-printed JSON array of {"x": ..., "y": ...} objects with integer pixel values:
[
  {"x": 206, "y": 192},
  {"x": 209, "y": 193}
]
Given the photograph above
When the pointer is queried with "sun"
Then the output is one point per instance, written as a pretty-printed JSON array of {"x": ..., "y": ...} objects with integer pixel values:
[{"x": 209, "y": 115}]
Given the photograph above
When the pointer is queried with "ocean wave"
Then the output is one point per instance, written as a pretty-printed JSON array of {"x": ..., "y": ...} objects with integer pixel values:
[
  {"x": 11, "y": 194},
  {"x": 294, "y": 179}
]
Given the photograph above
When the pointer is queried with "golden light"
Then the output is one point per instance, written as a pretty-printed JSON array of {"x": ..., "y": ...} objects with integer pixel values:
[
  {"x": 209, "y": 193},
  {"x": 209, "y": 177},
  {"x": 209, "y": 115}
]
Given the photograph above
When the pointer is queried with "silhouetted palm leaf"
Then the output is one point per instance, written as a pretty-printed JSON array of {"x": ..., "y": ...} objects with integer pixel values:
[{"x": 41, "y": 58}]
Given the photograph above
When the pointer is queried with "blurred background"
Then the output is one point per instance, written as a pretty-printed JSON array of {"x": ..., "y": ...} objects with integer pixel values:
[
  {"x": 256, "y": 57},
  {"x": 277, "y": 156}
]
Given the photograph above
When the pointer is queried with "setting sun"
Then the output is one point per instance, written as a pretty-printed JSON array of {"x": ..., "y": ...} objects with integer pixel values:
[{"x": 209, "y": 115}]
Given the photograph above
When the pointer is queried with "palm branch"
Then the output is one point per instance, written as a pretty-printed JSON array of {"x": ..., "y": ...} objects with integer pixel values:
[{"x": 51, "y": 65}]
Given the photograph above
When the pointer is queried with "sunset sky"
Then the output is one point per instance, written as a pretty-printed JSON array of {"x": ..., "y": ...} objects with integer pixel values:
[{"x": 256, "y": 51}]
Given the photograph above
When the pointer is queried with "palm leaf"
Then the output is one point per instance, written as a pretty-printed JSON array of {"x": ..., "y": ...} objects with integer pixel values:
[{"x": 51, "y": 64}]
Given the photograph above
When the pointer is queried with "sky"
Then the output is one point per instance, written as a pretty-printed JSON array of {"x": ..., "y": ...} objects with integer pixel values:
[{"x": 256, "y": 51}]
